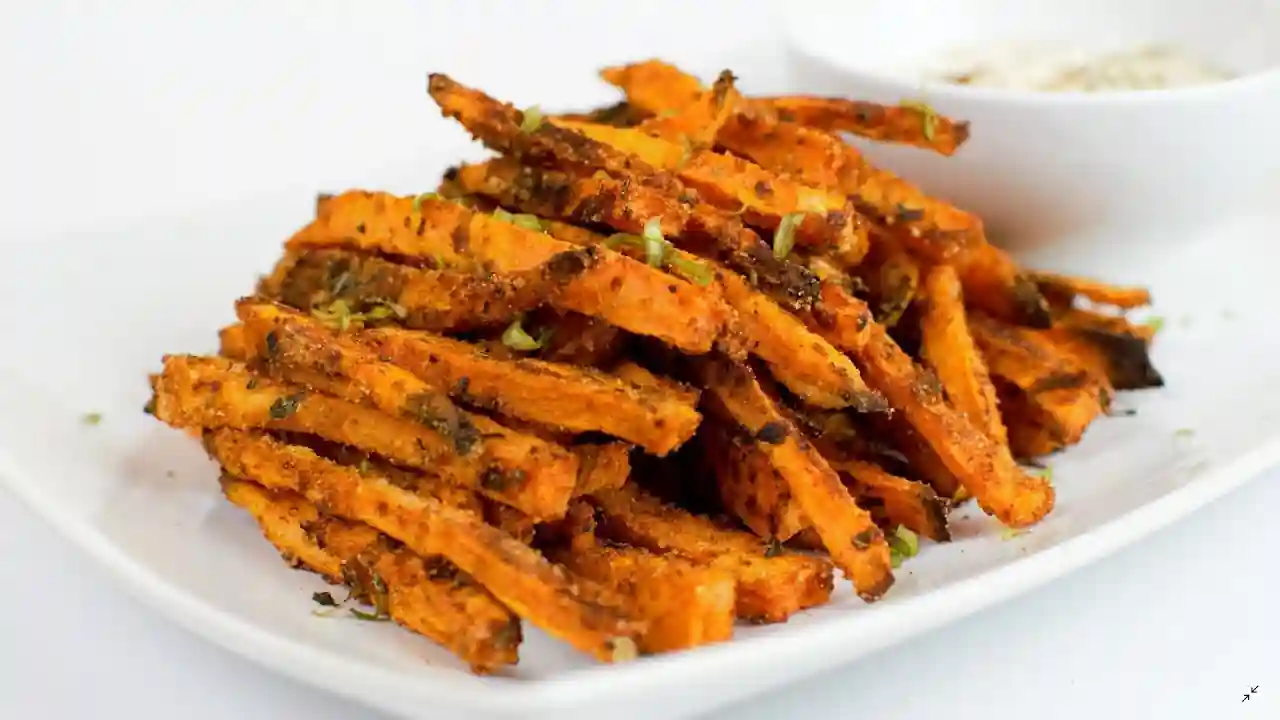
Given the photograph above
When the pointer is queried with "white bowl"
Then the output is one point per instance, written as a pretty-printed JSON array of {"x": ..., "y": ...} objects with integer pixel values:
[{"x": 1042, "y": 166}]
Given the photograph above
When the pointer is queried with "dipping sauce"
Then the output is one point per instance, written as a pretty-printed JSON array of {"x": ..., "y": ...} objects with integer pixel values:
[{"x": 1025, "y": 68}]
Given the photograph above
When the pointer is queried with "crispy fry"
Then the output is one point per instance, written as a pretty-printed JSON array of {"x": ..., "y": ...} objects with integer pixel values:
[
  {"x": 986, "y": 470},
  {"x": 627, "y": 293},
  {"x": 949, "y": 350},
  {"x": 574, "y": 610},
  {"x": 208, "y": 392},
  {"x": 428, "y": 596},
  {"x": 627, "y": 207},
  {"x": 994, "y": 284},
  {"x": 576, "y": 339},
  {"x": 856, "y": 545},
  {"x": 420, "y": 482},
  {"x": 735, "y": 184},
  {"x": 683, "y": 603},
  {"x": 1063, "y": 289},
  {"x": 904, "y": 502},
  {"x": 770, "y": 586},
  {"x": 697, "y": 123},
  {"x": 654, "y": 86},
  {"x": 1031, "y": 435},
  {"x": 438, "y": 300},
  {"x": 750, "y": 488},
  {"x": 1078, "y": 319},
  {"x": 909, "y": 123},
  {"x": 1122, "y": 357},
  {"x": 892, "y": 277},
  {"x": 602, "y": 467},
  {"x": 1066, "y": 395}
]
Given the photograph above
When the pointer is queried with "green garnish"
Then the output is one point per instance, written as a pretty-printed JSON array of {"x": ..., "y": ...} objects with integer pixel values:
[
  {"x": 359, "y": 614},
  {"x": 660, "y": 253},
  {"x": 324, "y": 599},
  {"x": 784, "y": 238},
  {"x": 1155, "y": 323},
  {"x": 285, "y": 406},
  {"x": 692, "y": 270},
  {"x": 773, "y": 548},
  {"x": 1011, "y": 533},
  {"x": 928, "y": 117},
  {"x": 530, "y": 119},
  {"x": 417, "y": 200},
  {"x": 903, "y": 543},
  {"x": 521, "y": 220},
  {"x": 1184, "y": 433},
  {"x": 338, "y": 314},
  {"x": 655, "y": 245},
  {"x": 516, "y": 338},
  {"x": 93, "y": 418}
]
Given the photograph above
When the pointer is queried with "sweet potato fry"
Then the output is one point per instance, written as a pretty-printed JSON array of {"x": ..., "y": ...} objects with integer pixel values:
[
  {"x": 209, "y": 392},
  {"x": 1067, "y": 395},
  {"x": 771, "y": 586},
  {"x": 420, "y": 482},
  {"x": 735, "y": 184},
  {"x": 1122, "y": 357},
  {"x": 574, "y": 610},
  {"x": 904, "y": 502},
  {"x": 627, "y": 207},
  {"x": 892, "y": 278},
  {"x": 749, "y": 486},
  {"x": 654, "y": 86},
  {"x": 856, "y": 545},
  {"x": 985, "y": 469},
  {"x": 949, "y": 350},
  {"x": 575, "y": 339},
  {"x": 1080, "y": 319},
  {"x": 697, "y": 123},
  {"x": 994, "y": 284},
  {"x": 602, "y": 467},
  {"x": 909, "y": 123},
  {"x": 1031, "y": 431},
  {"x": 428, "y": 596},
  {"x": 1063, "y": 289},
  {"x": 439, "y": 300},
  {"x": 624, "y": 292}
]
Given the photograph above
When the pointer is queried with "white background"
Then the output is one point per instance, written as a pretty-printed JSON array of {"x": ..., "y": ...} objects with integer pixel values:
[{"x": 122, "y": 111}]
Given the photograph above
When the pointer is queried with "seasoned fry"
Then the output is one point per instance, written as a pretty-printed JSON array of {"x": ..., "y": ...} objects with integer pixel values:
[
  {"x": 904, "y": 502},
  {"x": 1078, "y": 319},
  {"x": 985, "y": 469},
  {"x": 851, "y": 537},
  {"x": 1066, "y": 395},
  {"x": 1122, "y": 357},
  {"x": 574, "y": 610},
  {"x": 576, "y": 339},
  {"x": 771, "y": 586},
  {"x": 627, "y": 293},
  {"x": 750, "y": 488},
  {"x": 892, "y": 277},
  {"x": 908, "y": 123},
  {"x": 1031, "y": 431},
  {"x": 949, "y": 351},
  {"x": 697, "y": 123},
  {"x": 574, "y": 399},
  {"x": 439, "y": 300},
  {"x": 428, "y": 596},
  {"x": 684, "y": 604},
  {"x": 994, "y": 284},
  {"x": 654, "y": 86},
  {"x": 735, "y": 184},
  {"x": 206, "y": 392},
  {"x": 602, "y": 467},
  {"x": 1064, "y": 289}
]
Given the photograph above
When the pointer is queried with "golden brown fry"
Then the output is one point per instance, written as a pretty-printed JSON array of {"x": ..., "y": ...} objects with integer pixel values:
[
  {"x": 1063, "y": 289},
  {"x": 1123, "y": 357},
  {"x": 696, "y": 124},
  {"x": 627, "y": 207},
  {"x": 909, "y": 123},
  {"x": 985, "y": 469},
  {"x": 209, "y": 392},
  {"x": 738, "y": 185},
  {"x": 419, "y": 482},
  {"x": 1031, "y": 434},
  {"x": 430, "y": 299},
  {"x": 903, "y": 502},
  {"x": 892, "y": 278},
  {"x": 574, "y": 610},
  {"x": 1078, "y": 319},
  {"x": 575, "y": 339},
  {"x": 994, "y": 284},
  {"x": 602, "y": 467},
  {"x": 851, "y": 537},
  {"x": 750, "y": 487},
  {"x": 654, "y": 86},
  {"x": 1066, "y": 395},
  {"x": 683, "y": 603},
  {"x": 771, "y": 585},
  {"x": 627, "y": 293},
  {"x": 234, "y": 343},
  {"x": 569, "y": 398},
  {"x": 428, "y": 596},
  {"x": 638, "y": 375},
  {"x": 949, "y": 350}
]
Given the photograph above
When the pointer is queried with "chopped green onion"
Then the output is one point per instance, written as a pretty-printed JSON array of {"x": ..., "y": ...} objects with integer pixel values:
[
  {"x": 1155, "y": 323},
  {"x": 618, "y": 240},
  {"x": 928, "y": 117},
  {"x": 93, "y": 418},
  {"x": 784, "y": 238},
  {"x": 1010, "y": 533},
  {"x": 417, "y": 200},
  {"x": 1184, "y": 432},
  {"x": 695, "y": 272},
  {"x": 337, "y": 315},
  {"x": 530, "y": 119},
  {"x": 516, "y": 338},
  {"x": 521, "y": 220},
  {"x": 903, "y": 544},
  {"x": 655, "y": 246},
  {"x": 359, "y": 614}
]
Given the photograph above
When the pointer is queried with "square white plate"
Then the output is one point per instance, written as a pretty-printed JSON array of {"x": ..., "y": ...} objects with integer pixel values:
[{"x": 90, "y": 315}]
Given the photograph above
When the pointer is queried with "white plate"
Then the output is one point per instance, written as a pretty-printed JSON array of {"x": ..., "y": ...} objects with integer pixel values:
[{"x": 90, "y": 315}]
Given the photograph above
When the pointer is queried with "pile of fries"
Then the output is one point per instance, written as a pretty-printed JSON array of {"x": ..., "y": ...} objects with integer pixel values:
[{"x": 649, "y": 371}]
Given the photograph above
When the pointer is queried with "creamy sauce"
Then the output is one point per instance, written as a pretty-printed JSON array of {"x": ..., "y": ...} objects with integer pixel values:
[{"x": 1026, "y": 68}]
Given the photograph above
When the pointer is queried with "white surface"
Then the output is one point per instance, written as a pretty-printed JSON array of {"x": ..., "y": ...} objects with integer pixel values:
[
  {"x": 1132, "y": 158},
  {"x": 118, "y": 162}
]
